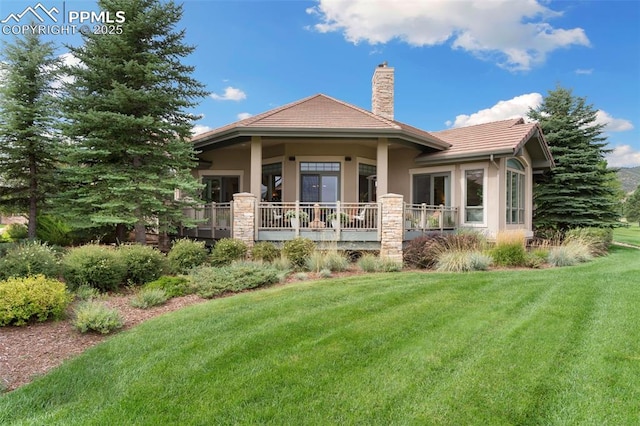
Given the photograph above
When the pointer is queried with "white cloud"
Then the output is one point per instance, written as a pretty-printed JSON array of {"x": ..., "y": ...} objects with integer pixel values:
[
  {"x": 67, "y": 60},
  {"x": 514, "y": 34},
  {"x": 613, "y": 124},
  {"x": 581, "y": 71},
  {"x": 503, "y": 110},
  {"x": 624, "y": 156},
  {"x": 230, "y": 94},
  {"x": 200, "y": 128},
  {"x": 244, "y": 115}
]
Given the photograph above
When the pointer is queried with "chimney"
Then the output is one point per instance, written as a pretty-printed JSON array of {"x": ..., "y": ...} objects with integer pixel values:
[{"x": 382, "y": 91}]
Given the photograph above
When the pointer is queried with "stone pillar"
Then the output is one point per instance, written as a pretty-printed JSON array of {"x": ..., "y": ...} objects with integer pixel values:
[
  {"x": 392, "y": 226},
  {"x": 244, "y": 218}
]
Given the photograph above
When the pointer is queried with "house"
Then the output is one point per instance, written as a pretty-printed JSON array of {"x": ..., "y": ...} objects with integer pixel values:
[{"x": 322, "y": 159}]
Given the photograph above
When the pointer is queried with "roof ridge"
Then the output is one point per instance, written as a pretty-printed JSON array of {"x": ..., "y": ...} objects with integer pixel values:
[
  {"x": 515, "y": 120},
  {"x": 362, "y": 110},
  {"x": 276, "y": 110}
]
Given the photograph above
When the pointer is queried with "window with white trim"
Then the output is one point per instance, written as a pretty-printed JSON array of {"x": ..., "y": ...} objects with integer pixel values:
[
  {"x": 515, "y": 192},
  {"x": 474, "y": 196}
]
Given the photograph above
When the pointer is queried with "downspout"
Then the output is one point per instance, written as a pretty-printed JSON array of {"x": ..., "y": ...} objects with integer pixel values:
[{"x": 494, "y": 162}]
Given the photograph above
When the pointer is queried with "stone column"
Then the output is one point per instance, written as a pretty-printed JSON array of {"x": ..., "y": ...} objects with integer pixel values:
[
  {"x": 244, "y": 218},
  {"x": 392, "y": 226}
]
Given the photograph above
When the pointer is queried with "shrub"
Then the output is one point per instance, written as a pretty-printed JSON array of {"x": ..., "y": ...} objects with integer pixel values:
[
  {"x": 186, "y": 254},
  {"x": 301, "y": 276},
  {"x": 463, "y": 261},
  {"x": 282, "y": 264},
  {"x": 372, "y": 263},
  {"x": 147, "y": 298},
  {"x": 228, "y": 250},
  {"x": 84, "y": 292},
  {"x": 16, "y": 231},
  {"x": 144, "y": 263},
  {"x": 297, "y": 251},
  {"x": 172, "y": 286},
  {"x": 422, "y": 252},
  {"x": 53, "y": 230},
  {"x": 510, "y": 249},
  {"x": 97, "y": 316},
  {"x": 35, "y": 297},
  {"x": 97, "y": 266},
  {"x": 368, "y": 262},
  {"x": 597, "y": 239},
  {"x": 265, "y": 251},
  {"x": 570, "y": 253},
  {"x": 537, "y": 257},
  {"x": 30, "y": 258},
  {"x": 389, "y": 265},
  {"x": 211, "y": 281},
  {"x": 325, "y": 273},
  {"x": 331, "y": 260}
]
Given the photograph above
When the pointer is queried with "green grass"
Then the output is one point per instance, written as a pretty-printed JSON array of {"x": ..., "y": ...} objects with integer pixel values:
[
  {"x": 630, "y": 235},
  {"x": 556, "y": 346}
]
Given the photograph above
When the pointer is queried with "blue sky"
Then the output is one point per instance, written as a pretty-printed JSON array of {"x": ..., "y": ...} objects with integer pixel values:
[{"x": 456, "y": 62}]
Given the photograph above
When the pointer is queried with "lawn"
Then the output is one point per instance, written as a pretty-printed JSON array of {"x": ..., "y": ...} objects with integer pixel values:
[
  {"x": 630, "y": 235},
  {"x": 555, "y": 346}
]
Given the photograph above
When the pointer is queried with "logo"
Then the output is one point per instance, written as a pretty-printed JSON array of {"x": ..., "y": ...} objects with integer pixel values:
[{"x": 39, "y": 19}]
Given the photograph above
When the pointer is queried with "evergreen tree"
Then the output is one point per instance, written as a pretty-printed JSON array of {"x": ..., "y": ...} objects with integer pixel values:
[
  {"x": 577, "y": 192},
  {"x": 27, "y": 135},
  {"x": 632, "y": 206},
  {"x": 126, "y": 112}
]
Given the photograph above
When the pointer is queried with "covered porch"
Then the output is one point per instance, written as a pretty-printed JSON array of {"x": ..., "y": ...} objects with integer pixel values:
[{"x": 355, "y": 225}]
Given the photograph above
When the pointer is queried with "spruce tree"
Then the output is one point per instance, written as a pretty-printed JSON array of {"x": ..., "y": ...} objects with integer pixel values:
[
  {"x": 632, "y": 206},
  {"x": 577, "y": 191},
  {"x": 127, "y": 117},
  {"x": 28, "y": 114}
]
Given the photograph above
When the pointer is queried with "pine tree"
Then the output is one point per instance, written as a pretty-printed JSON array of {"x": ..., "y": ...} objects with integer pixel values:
[
  {"x": 632, "y": 206},
  {"x": 27, "y": 134},
  {"x": 126, "y": 111},
  {"x": 577, "y": 192}
]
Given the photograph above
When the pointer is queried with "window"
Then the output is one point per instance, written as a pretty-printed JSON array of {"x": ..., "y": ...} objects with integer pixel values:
[
  {"x": 474, "y": 196},
  {"x": 220, "y": 189},
  {"x": 432, "y": 189},
  {"x": 272, "y": 182},
  {"x": 366, "y": 183},
  {"x": 319, "y": 182},
  {"x": 515, "y": 192}
]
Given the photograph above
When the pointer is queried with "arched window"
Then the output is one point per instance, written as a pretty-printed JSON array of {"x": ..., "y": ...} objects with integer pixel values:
[{"x": 515, "y": 191}]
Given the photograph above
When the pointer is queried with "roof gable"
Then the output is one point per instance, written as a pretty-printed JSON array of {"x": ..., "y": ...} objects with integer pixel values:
[
  {"x": 505, "y": 137},
  {"x": 321, "y": 114}
]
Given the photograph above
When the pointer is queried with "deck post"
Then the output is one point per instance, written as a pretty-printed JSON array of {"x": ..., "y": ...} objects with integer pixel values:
[
  {"x": 392, "y": 227},
  {"x": 244, "y": 218}
]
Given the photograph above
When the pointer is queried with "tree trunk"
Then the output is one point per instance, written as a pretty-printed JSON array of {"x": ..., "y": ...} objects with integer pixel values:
[
  {"x": 33, "y": 198},
  {"x": 141, "y": 233},
  {"x": 121, "y": 235}
]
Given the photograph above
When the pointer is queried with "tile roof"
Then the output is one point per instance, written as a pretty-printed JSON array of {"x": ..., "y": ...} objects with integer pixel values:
[
  {"x": 498, "y": 137},
  {"x": 322, "y": 113}
]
